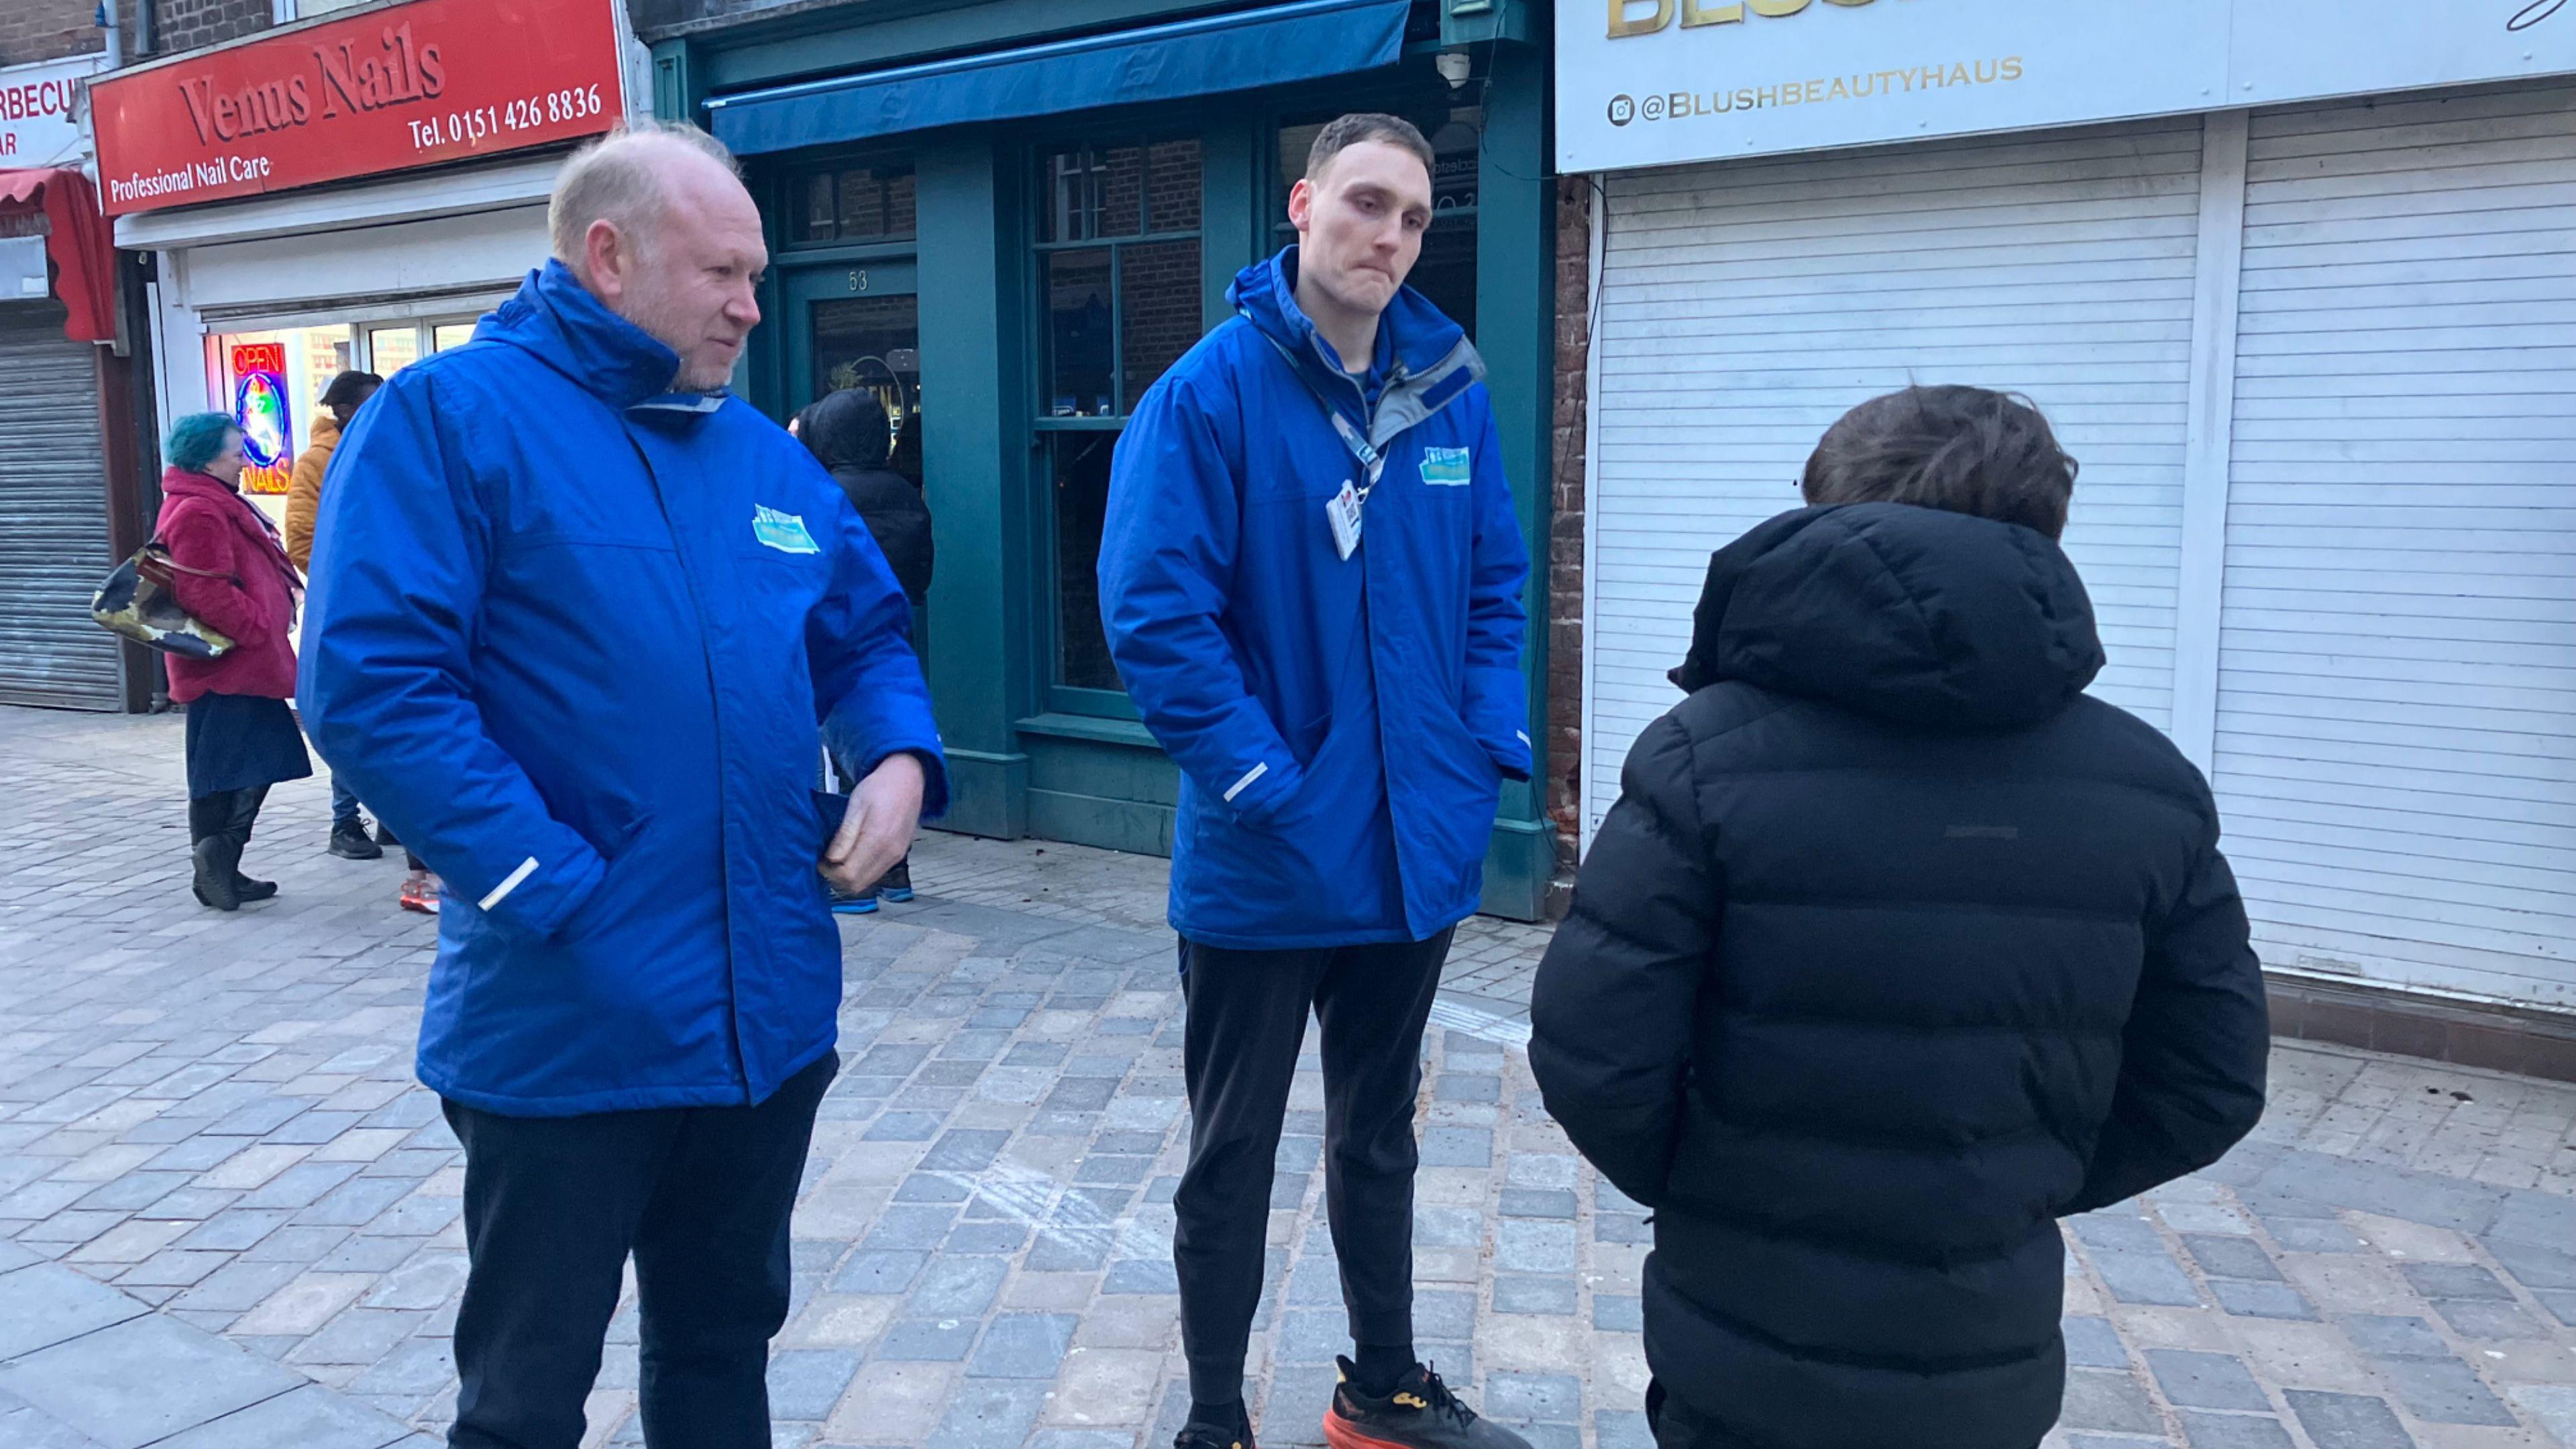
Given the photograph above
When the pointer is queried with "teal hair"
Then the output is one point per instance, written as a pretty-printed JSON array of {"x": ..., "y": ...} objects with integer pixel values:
[{"x": 195, "y": 440}]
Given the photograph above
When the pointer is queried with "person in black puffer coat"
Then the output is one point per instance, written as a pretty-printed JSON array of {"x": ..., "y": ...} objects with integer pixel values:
[
  {"x": 850, "y": 436},
  {"x": 1896, "y": 948}
]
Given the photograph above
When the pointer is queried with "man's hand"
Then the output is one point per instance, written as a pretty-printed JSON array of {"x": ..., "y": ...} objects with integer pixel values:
[{"x": 876, "y": 831}]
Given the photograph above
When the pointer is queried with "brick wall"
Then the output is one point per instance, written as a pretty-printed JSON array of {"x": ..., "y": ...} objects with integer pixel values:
[
  {"x": 188, "y": 24},
  {"x": 1565, "y": 537},
  {"x": 34, "y": 30}
]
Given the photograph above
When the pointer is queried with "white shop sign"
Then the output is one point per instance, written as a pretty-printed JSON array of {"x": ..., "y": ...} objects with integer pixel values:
[
  {"x": 40, "y": 113},
  {"x": 1657, "y": 82}
]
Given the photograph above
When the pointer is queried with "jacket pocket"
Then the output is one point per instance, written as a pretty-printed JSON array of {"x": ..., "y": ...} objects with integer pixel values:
[{"x": 605, "y": 899}]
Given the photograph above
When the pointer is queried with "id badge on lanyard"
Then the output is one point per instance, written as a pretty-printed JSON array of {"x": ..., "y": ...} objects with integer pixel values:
[{"x": 1344, "y": 509}]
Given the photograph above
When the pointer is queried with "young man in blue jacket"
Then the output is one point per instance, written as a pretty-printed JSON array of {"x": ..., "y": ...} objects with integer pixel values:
[
  {"x": 575, "y": 616},
  {"x": 1310, "y": 577}
]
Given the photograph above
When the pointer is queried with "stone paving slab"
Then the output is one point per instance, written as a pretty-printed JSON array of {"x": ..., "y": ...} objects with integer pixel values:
[{"x": 211, "y": 1147}]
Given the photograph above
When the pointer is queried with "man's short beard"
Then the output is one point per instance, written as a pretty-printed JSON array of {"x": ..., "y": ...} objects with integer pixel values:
[{"x": 711, "y": 381}]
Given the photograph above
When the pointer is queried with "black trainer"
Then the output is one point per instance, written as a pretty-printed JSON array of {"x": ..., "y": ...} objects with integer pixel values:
[
  {"x": 1420, "y": 1414},
  {"x": 349, "y": 841},
  {"x": 1201, "y": 1436},
  {"x": 385, "y": 836}
]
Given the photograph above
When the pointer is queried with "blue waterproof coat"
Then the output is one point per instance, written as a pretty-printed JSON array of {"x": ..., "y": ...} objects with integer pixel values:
[
  {"x": 571, "y": 637},
  {"x": 1343, "y": 727}
]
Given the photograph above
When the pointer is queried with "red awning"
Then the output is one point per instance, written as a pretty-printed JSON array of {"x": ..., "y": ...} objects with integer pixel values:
[{"x": 84, "y": 258}]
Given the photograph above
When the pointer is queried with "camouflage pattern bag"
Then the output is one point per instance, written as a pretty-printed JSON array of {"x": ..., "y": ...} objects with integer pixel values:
[{"x": 137, "y": 603}]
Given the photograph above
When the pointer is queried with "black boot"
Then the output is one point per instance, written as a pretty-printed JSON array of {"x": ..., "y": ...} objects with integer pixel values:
[
  {"x": 216, "y": 857},
  {"x": 210, "y": 845},
  {"x": 245, "y": 812}
]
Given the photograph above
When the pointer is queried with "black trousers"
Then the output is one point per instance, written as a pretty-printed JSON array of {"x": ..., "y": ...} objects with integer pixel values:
[
  {"x": 553, "y": 1205},
  {"x": 1246, "y": 1020}
]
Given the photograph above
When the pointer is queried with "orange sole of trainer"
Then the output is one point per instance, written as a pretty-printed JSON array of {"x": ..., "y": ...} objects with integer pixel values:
[{"x": 1340, "y": 1435}]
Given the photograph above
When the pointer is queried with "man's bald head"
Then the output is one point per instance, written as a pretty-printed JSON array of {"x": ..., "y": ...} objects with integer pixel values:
[
  {"x": 630, "y": 179},
  {"x": 655, "y": 222}
]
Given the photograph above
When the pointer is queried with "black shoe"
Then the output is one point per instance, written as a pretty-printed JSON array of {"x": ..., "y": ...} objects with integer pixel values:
[
  {"x": 349, "y": 842},
  {"x": 1420, "y": 1414},
  {"x": 216, "y": 855},
  {"x": 1202, "y": 1436},
  {"x": 895, "y": 886},
  {"x": 385, "y": 836},
  {"x": 245, "y": 889}
]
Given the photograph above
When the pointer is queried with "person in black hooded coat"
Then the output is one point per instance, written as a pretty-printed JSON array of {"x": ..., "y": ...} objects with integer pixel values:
[
  {"x": 849, "y": 434},
  {"x": 1895, "y": 948}
]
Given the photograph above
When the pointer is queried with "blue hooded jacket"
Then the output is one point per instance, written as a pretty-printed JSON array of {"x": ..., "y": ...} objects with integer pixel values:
[
  {"x": 1342, "y": 727},
  {"x": 571, "y": 636}
]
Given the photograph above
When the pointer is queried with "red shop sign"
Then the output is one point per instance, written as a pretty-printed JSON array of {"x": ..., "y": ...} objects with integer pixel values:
[{"x": 413, "y": 85}]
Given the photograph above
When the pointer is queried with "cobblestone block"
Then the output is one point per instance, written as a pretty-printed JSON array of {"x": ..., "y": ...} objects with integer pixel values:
[
  {"x": 2263, "y": 1300},
  {"x": 2488, "y": 1321},
  {"x": 1024, "y": 1346},
  {"x": 2204, "y": 1430},
  {"x": 2195, "y": 1380},
  {"x": 2445, "y": 1391},
  {"x": 2092, "y": 1343},
  {"x": 958, "y": 1288},
  {"x": 2348, "y": 1421},
  {"x": 2150, "y": 1278},
  {"x": 920, "y": 1340},
  {"x": 2108, "y": 1400},
  {"x": 2231, "y": 1257},
  {"x": 1551, "y": 1296}
]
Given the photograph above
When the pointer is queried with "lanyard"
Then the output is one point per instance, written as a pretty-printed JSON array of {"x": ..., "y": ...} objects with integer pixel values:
[{"x": 1372, "y": 461}]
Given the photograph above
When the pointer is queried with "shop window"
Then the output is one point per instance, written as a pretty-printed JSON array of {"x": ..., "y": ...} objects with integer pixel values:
[
  {"x": 1445, "y": 274},
  {"x": 271, "y": 382},
  {"x": 874, "y": 343},
  {"x": 391, "y": 349},
  {"x": 450, "y": 334},
  {"x": 851, "y": 204},
  {"x": 1119, "y": 278}
]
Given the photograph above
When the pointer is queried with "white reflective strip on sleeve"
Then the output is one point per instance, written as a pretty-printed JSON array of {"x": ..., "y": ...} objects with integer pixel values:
[
  {"x": 1524, "y": 734},
  {"x": 509, "y": 883},
  {"x": 1255, "y": 773}
]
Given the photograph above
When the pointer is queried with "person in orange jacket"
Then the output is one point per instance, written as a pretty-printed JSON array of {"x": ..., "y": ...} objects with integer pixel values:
[{"x": 340, "y": 401}]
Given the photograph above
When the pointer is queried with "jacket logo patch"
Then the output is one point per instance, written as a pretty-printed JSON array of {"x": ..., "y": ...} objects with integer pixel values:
[
  {"x": 784, "y": 532},
  {"x": 1446, "y": 467}
]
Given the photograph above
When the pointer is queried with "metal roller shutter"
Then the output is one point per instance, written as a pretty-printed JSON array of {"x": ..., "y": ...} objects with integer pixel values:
[
  {"x": 2396, "y": 747},
  {"x": 1745, "y": 306},
  {"x": 53, "y": 518}
]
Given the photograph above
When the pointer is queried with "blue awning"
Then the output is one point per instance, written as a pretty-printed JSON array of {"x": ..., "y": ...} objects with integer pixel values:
[{"x": 1274, "y": 45}]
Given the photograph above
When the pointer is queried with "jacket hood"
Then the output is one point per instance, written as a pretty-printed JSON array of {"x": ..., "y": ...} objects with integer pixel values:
[
  {"x": 847, "y": 429},
  {"x": 1909, "y": 614},
  {"x": 1434, "y": 363},
  {"x": 555, "y": 317},
  {"x": 324, "y": 430},
  {"x": 1266, "y": 294}
]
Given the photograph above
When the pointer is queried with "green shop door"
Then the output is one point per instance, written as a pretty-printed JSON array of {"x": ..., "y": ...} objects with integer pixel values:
[{"x": 858, "y": 325}]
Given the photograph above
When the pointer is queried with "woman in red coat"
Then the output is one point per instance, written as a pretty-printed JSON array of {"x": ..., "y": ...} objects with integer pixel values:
[{"x": 232, "y": 573}]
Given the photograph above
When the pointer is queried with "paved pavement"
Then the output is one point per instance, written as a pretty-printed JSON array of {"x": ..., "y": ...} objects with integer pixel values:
[{"x": 228, "y": 1217}]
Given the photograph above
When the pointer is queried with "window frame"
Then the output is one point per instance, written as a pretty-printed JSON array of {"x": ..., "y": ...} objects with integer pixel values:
[
  {"x": 786, "y": 186},
  {"x": 1037, "y": 199}
]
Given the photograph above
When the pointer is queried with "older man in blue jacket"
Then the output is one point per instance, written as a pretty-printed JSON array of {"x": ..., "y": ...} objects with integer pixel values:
[
  {"x": 1310, "y": 578},
  {"x": 575, "y": 616}
]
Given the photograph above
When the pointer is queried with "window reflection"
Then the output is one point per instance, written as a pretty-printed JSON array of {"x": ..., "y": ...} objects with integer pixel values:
[{"x": 1119, "y": 273}]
